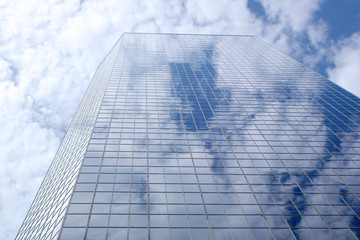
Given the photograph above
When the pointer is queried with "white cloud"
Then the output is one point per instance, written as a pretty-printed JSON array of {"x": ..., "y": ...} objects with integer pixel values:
[
  {"x": 346, "y": 70},
  {"x": 5, "y": 71},
  {"x": 295, "y": 14},
  {"x": 292, "y": 23},
  {"x": 50, "y": 49}
]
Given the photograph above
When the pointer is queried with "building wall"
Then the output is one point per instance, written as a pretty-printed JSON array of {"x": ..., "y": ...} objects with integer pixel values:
[
  {"x": 46, "y": 214},
  {"x": 211, "y": 137}
]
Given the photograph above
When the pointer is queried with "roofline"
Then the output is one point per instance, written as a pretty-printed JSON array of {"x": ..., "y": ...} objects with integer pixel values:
[{"x": 202, "y": 34}]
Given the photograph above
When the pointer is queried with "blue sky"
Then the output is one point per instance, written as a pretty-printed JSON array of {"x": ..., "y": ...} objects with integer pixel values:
[
  {"x": 50, "y": 49},
  {"x": 343, "y": 17},
  {"x": 342, "y": 20}
]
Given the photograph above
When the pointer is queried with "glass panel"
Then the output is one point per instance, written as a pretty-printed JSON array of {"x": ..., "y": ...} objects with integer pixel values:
[{"x": 204, "y": 136}]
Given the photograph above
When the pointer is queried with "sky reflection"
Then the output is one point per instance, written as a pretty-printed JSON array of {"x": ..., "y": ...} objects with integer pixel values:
[{"x": 223, "y": 138}]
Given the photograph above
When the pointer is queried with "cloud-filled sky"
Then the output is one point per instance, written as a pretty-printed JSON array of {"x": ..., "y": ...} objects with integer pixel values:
[{"x": 49, "y": 50}]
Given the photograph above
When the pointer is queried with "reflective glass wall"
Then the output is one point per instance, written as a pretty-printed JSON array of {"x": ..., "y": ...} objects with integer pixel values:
[
  {"x": 217, "y": 137},
  {"x": 46, "y": 214}
]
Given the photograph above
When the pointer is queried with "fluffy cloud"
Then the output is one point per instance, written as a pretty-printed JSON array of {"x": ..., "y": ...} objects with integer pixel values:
[
  {"x": 346, "y": 70},
  {"x": 293, "y": 28},
  {"x": 295, "y": 15},
  {"x": 50, "y": 49}
]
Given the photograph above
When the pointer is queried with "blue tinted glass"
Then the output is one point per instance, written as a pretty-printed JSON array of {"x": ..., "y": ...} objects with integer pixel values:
[{"x": 214, "y": 137}]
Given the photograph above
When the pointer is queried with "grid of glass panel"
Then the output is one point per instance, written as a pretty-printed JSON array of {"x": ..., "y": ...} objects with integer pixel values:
[
  {"x": 47, "y": 211},
  {"x": 217, "y": 137}
]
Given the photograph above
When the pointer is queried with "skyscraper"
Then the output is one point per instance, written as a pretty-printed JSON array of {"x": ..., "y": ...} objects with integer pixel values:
[{"x": 204, "y": 137}]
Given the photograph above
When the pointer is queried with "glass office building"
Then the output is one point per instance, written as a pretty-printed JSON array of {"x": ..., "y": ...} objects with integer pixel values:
[{"x": 204, "y": 137}]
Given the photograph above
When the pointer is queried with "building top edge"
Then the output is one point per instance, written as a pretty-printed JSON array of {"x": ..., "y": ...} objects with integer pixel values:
[{"x": 202, "y": 34}]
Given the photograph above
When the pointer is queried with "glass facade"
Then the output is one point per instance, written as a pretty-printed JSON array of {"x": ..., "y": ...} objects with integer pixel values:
[{"x": 204, "y": 137}]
